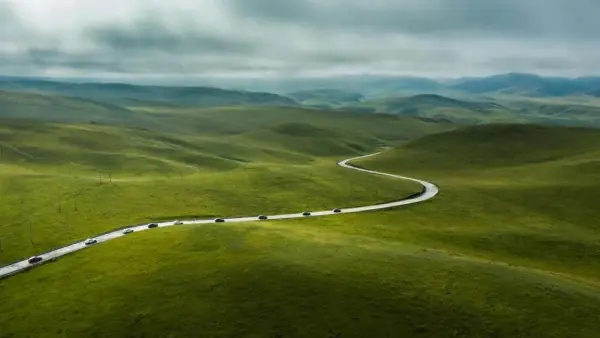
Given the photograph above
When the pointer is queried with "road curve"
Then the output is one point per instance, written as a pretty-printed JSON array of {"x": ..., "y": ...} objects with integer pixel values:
[{"x": 429, "y": 191}]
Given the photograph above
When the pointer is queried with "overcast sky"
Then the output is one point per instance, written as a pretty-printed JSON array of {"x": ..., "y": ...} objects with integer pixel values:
[{"x": 188, "y": 38}]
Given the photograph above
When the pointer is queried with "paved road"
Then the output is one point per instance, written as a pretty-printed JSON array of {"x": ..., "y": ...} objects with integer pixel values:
[{"x": 430, "y": 190}]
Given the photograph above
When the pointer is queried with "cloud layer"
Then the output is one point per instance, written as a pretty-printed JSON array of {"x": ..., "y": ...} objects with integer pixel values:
[{"x": 191, "y": 38}]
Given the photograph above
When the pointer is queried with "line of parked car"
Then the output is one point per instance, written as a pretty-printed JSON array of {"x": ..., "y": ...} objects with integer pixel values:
[{"x": 90, "y": 241}]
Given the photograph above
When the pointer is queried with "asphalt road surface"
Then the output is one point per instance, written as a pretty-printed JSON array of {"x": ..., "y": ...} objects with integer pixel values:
[{"x": 430, "y": 190}]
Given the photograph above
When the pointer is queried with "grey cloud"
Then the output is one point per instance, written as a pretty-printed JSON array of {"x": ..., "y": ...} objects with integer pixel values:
[
  {"x": 36, "y": 59},
  {"x": 550, "y": 18},
  {"x": 289, "y": 37},
  {"x": 110, "y": 62},
  {"x": 10, "y": 23},
  {"x": 149, "y": 34}
]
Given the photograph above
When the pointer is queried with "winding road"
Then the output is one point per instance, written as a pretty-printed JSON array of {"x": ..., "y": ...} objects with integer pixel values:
[{"x": 430, "y": 190}]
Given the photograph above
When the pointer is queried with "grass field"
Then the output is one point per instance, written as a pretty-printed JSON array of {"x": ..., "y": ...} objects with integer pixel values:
[
  {"x": 469, "y": 109},
  {"x": 63, "y": 182},
  {"x": 510, "y": 247},
  {"x": 530, "y": 199}
]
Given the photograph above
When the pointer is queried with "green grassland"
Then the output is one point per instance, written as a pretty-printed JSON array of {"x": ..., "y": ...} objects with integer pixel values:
[
  {"x": 63, "y": 182},
  {"x": 508, "y": 249},
  {"x": 522, "y": 194},
  {"x": 46, "y": 107},
  {"x": 288, "y": 279},
  {"x": 470, "y": 109},
  {"x": 443, "y": 108},
  {"x": 326, "y": 97},
  {"x": 236, "y": 120}
]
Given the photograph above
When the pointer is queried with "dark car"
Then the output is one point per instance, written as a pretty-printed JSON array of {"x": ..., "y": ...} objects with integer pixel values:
[
  {"x": 306, "y": 213},
  {"x": 90, "y": 241},
  {"x": 337, "y": 210},
  {"x": 219, "y": 220},
  {"x": 34, "y": 259},
  {"x": 152, "y": 225},
  {"x": 262, "y": 217}
]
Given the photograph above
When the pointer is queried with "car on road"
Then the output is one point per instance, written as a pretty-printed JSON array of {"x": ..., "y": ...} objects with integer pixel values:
[
  {"x": 262, "y": 217},
  {"x": 127, "y": 231},
  {"x": 34, "y": 259},
  {"x": 306, "y": 213},
  {"x": 337, "y": 210},
  {"x": 90, "y": 241},
  {"x": 152, "y": 225},
  {"x": 219, "y": 220},
  {"x": 178, "y": 223}
]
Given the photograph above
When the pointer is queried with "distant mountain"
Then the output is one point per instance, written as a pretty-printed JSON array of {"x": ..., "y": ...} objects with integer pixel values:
[
  {"x": 433, "y": 100},
  {"x": 595, "y": 93},
  {"x": 338, "y": 89},
  {"x": 437, "y": 107},
  {"x": 527, "y": 85},
  {"x": 326, "y": 98},
  {"x": 380, "y": 86},
  {"x": 128, "y": 94},
  {"x": 367, "y": 85},
  {"x": 524, "y": 110},
  {"x": 55, "y": 108}
]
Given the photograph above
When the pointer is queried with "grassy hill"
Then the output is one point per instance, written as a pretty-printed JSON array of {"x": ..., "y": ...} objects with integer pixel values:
[
  {"x": 210, "y": 155},
  {"x": 569, "y": 111},
  {"x": 495, "y": 99},
  {"x": 128, "y": 94},
  {"x": 500, "y": 145},
  {"x": 508, "y": 249},
  {"x": 528, "y": 85},
  {"x": 241, "y": 119},
  {"x": 46, "y": 107},
  {"x": 521, "y": 194},
  {"x": 488, "y": 109},
  {"x": 443, "y": 108},
  {"x": 194, "y": 120},
  {"x": 326, "y": 98}
]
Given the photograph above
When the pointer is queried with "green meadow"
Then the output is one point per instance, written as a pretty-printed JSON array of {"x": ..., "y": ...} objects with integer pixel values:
[{"x": 509, "y": 248}]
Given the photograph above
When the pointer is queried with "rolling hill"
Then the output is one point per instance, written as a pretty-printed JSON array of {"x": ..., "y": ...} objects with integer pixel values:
[
  {"x": 439, "y": 107},
  {"x": 225, "y": 149},
  {"x": 500, "y": 98},
  {"x": 508, "y": 249},
  {"x": 528, "y": 85},
  {"x": 325, "y": 98},
  {"x": 128, "y": 94},
  {"x": 56, "y": 108},
  {"x": 518, "y": 193},
  {"x": 522, "y": 84},
  {"x": 488, "y": 109},
  {"x": 193, "y": 120}
]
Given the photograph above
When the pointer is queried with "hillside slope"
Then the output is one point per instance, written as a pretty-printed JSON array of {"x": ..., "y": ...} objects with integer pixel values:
[
  {"x": 528, "y": 84},
  {"x": 194, "y": 120},
  {"x": 128, "y": 94},
  {"x": 499, "y": 146},
  {"x": 488, "y": 109},
  {"x": 440, "y": 107},
  {"x": 326, "y": 98},
  {"x": 510, "y": 247},
  {"x": 518, "y": 193},
  {"x": 57, "y": 108}
]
